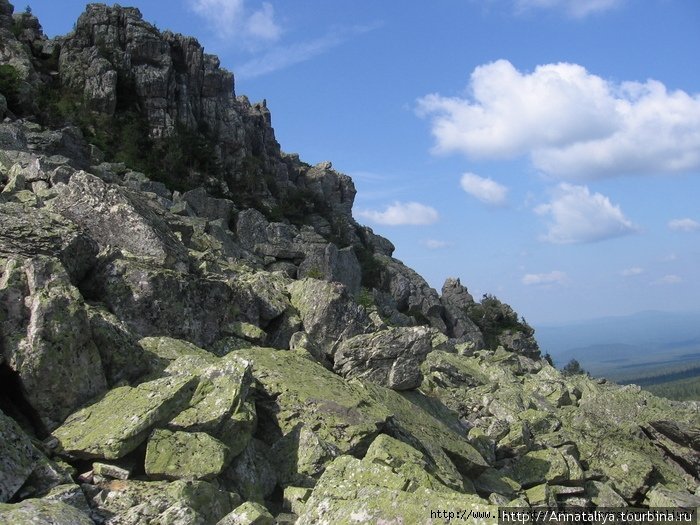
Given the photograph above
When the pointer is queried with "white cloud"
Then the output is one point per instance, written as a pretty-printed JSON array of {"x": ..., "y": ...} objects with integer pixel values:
[
  {"x": 684, "y": 225},
  {"x": 578, "y": 216},
  {"x": 668, "y": 279},
  {"x": 484, "y": 189},
  {"x": 572, "y": 124},
  {"x": 280, "y": 57},
  {"x": 233, "y": 19},
  {"x": 634, "y": 270},
  {"x": 554, "y": 277},
  {"x": 435, "y": 244},
  {"x": 402, "y": 213},
  {"x": 575, "y": 8}
]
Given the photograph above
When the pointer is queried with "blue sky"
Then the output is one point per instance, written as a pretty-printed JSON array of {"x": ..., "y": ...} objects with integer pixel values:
[{"x": 545, "y": 151}]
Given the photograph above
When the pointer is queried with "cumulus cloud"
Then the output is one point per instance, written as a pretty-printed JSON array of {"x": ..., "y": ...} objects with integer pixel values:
[
  {"x": 484, "y": 189},
  {"x": 554, "y": 277},
  {"x": 402, "y": 213},
  {"x": 234, "y": 19},
  {"x": 575, "y": 8},
  {"x": 573, "y": 124},
  {"x": 579, "y": 216},
  {"x": 634, "y": 270},
  {"x": 684, "y": 225}
]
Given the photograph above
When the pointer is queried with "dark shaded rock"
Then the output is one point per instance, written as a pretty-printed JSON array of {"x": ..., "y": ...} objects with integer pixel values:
[
  {"x": 123, "y": 360},
  {"x": 152, "y": 300}
]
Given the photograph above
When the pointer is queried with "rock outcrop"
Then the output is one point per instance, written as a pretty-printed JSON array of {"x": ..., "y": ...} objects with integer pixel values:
[{"x": 212, "y": 339}]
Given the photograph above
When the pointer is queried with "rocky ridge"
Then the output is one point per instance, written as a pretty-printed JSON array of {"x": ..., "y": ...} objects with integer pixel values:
[{"x": 218, "y": 341}]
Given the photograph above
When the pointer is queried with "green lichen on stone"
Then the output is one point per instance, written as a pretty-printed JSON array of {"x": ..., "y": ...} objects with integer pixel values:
[
  {"x": 42, "y": 512},
  {"x": 362, "y": 492},
  {"x": 298, "y": 390},
  {"x": 247, "y": 331},
  {"x": 160, "y": 502},
  {"x": 120, "y": 421},
  {"x": 18, "y": 459},
  {"x": 540, "y": 466},
  {"x": 186, "y": 455},
  {"x": 405, "y": 461},
  {"x": 435, "y": 431},
  {"x": 249, "y": 513}
]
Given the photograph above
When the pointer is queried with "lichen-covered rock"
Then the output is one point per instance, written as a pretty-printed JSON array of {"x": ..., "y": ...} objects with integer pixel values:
[
  {"x": 249, "y": 513},
  {"x": 390, "y": 358},
  {"x": 71, "y": 494},
  {"x": 123, "y": 360},
  {"x": 252, "y": 474},
  {"x": 405, "y": 461},
  {"x": 220, "y": 404},
  {"x": 120, "y": 421},
  {"x": 428, "y": 425},
  {"x": 186, "y": 455},
  {"x": 297, "y": 390},
  {"x": 300, "y": 456},
  {"x": 119, "y": 218},
  {"x": 354, "y": 491},
  {"x": 42, "y": 512},
  {"x": 47, "y": 338},
  {"x": 18, "y": 460},
  {"x": 206, "y": 206},
  {"x": 456, "y": 301},
  {"x": 153, "y": 300},
  {"x": 179, "y": 502},
  {"x": 540, "y": 466},
  {"x": 29, "y": 232},
  {"x": 328, "y": 312},
  {"x": 411, "y": 292}
]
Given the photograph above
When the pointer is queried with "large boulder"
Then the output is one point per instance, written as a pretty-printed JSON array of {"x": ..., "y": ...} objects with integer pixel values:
[
  {"x": 18, "y": 460},
  {"x": 152, "y": 300},
  {"x": 456, "y": 301},
  {"x": 119, "y": 218},
  {"x": 42, "y": 512},
  {"x": 354, "y": 491},
  {"x": 47, "y": 339},
  {"x": 185, "y": 455},
  {"x": 181, "y": 502},
  {"x": 328, "y": 312},
  {"x": 413, "y": 295},
  {"x": 120, "y": 421},
  {"x": 390, "y": 358},
  {"x": 29, "y": 232}
]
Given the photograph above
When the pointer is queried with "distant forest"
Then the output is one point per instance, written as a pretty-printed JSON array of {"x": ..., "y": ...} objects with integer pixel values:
[{"x": 681, "y": 384}]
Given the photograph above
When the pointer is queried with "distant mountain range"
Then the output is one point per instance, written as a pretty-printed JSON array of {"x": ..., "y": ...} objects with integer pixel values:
[{"x": 626, "y": 346}]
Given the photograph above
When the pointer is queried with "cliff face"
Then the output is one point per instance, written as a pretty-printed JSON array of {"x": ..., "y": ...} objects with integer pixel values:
[{"x": 213, "y": 336}]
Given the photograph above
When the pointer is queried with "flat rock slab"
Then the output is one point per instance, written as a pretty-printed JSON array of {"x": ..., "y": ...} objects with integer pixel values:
[
  {"x": 121, "y": 420},
  {"x": 185, "y": 455}
]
